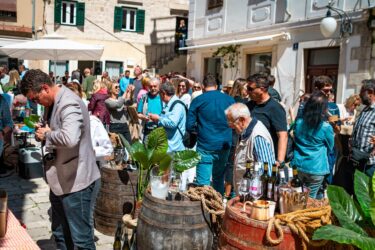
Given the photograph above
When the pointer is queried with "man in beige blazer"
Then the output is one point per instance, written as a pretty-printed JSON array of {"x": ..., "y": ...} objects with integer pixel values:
[{"x": 69, "y": 160}]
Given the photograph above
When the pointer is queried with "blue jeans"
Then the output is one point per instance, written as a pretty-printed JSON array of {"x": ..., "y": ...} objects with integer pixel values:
[
  {"x": 313, "y": 182},
  {"x": 72, "y": 223},
  {"x": 213, "y": 163}
]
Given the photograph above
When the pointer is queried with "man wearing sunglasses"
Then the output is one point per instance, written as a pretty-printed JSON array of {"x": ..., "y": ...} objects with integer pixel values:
[
  {"x": 267, "y": 110},
  {"x": 71, "y": 171}
]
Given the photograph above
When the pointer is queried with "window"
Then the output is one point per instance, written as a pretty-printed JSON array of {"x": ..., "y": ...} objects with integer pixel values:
[
  {"x": 129, "y": 19},
  {"x": 8, "y": 11},
  {"x": 114, "y": 69},
  {"x": 69, "y": 13},
  {"x": 214, "y": 4},
  {"x": 259, "y": 63},
  {"x": 61, "y": 67}
]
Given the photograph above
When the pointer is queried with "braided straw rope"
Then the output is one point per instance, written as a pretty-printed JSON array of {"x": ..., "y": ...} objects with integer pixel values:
[
  {"x": 211, "y": 200},
  {"x": 300, "y": 223}
]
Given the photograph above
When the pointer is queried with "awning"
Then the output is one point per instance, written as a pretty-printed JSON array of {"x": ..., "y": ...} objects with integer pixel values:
[
  {"x": 8, "y": 41},
  {"x": 283, "y": 35}
]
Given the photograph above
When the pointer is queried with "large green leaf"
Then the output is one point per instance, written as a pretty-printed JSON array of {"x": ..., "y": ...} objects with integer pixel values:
[
  {"x": 362, "y": 189},
  {"x": 157, "y": 145},
  {"x": 344, "y": 209},
  {"x": 372, "y": 205},
  {"x": 165, "y": 163},
  {"x": 184, "y": 160},
  {"x": 139, "y": 154},
  {"x": 344, "y": 236}
]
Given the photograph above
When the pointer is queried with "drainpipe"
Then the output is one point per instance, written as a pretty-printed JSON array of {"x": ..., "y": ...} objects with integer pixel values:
[
  {"x": 372, "y": 29},
  {"x": 34, "y": 34}
]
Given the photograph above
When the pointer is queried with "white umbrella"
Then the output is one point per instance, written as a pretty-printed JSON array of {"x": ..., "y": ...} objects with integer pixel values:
[{"x": 53, "y": 47}]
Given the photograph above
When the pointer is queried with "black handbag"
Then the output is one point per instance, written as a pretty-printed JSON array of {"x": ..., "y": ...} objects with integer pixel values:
[
  {"x": 290, "y": 146},
  {"x": 359, "y": 157}
]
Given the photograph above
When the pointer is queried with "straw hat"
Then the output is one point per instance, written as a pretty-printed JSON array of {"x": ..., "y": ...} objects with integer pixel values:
[{"x": 229, "y": 84}]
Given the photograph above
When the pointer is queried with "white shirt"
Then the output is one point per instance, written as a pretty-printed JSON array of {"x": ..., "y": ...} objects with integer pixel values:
[
  {"x": 100, "y": 139},
  {"x": 186, "y": 98}
]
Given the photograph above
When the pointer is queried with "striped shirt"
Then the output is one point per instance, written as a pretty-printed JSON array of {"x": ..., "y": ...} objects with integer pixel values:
[
  {"x": 263, "y": 152},
  {"x": 364, "y": 128}
]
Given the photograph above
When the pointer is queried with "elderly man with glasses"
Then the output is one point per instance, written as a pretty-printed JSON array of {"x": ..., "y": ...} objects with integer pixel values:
[{"x": 255, "y": 144}]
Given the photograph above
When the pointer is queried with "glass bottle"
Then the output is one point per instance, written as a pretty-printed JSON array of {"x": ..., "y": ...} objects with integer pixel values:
[
  {"x": 271, "y": 183},
  {"x": 118, "y": 235},
  {"x": 264, "y": 178},
  {"x": 296, "y": 183}
]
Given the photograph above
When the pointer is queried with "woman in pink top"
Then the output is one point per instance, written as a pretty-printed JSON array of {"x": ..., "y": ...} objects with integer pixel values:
[{"x": 144, "y": 90}]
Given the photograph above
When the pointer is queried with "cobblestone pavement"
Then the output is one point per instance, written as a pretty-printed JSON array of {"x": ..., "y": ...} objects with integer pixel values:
[{"x": 28, "y": 200}]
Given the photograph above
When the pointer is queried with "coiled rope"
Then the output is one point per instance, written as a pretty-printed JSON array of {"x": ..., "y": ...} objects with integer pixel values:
[{"x": 301, "y": 223}]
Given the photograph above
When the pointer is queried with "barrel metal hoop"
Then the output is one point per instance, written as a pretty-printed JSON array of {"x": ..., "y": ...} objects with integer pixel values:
[
  {"x": 198, "y": 211},
  {"x": 170, "y": 226}
]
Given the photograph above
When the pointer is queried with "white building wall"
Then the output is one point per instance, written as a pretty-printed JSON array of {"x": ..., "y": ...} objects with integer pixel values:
[{"x": 240, "y": 19}]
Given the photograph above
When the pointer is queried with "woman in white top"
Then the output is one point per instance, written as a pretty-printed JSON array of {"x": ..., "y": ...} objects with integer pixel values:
[
  {"x": 100, "y": 140},
  {"x": 183, "y": 92},
  {"x": 348, "y": 110}
]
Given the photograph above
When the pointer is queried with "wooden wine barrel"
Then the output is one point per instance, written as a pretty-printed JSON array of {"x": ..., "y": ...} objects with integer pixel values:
[
  {"x": 167, "y": 225},
  {"x": 115, "y": 198},
  {"x": 240, "y": 232}
]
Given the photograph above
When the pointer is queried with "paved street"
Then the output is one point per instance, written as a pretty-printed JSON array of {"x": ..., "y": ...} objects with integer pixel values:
[{"x": 28, "y": 200}]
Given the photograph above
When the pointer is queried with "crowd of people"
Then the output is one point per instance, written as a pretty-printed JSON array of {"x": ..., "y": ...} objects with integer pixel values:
[{"x": 243, "y": 121}]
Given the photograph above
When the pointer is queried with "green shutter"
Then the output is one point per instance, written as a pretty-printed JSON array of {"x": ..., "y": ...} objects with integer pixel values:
[
  {"x": 117, "y": 25},
  {"x": 140, "y": 26},
  {"x": 80, "y": 19},
  {"x": 57, "y": 11}
]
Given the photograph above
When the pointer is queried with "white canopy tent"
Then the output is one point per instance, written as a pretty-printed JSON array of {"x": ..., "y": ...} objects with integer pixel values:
[{"x": 53, "y": 47}]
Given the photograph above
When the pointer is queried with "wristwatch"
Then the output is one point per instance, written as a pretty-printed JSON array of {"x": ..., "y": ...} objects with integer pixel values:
[{"x": 282, "y": 163}]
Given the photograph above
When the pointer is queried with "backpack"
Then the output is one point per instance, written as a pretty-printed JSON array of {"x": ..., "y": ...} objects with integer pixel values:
[{"x": 189, "y": 139}]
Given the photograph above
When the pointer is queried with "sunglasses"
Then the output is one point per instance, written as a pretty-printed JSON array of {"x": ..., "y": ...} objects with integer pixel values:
[
  {"x": 250, "y": 89},
  {"x": 181, "y": 86},
  {"x": 327, "y": 91},
  {"x": 196, "y": 87}
]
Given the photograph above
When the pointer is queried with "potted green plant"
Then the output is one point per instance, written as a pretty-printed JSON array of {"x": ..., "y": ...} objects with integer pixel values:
[
  {"x": 154, "y": 153},
  {"x": 356, "y": 217}
]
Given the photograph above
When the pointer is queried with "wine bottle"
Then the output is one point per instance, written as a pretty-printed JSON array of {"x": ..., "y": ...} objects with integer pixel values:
[
  {"x": 296, "y": 183},
  {"x": 126, "y": 245},
  {"x": 248, "y": 173},
  {"x": 276, "y": 186},
  {"x": 271, "y": 183},
  {"x": 264, "y": 178},
  {"x": 118, "y": 235}
]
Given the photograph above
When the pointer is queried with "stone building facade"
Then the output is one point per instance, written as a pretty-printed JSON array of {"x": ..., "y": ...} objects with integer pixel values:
[
  {"x": 133, "y": 32},
  {"x": 17, "y": 25},
  {"x": 284, "y": 39}
]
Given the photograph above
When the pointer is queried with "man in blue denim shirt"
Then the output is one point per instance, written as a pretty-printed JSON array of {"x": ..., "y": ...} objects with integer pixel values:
[
  {"x": 171, "y": 119},
  {"x": 6, "y": 126}
]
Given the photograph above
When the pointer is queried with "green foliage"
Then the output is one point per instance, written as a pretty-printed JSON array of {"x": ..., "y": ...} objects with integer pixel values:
[
  {"x": 344, "y": 236},
  {"x": 349, "y": 214},
  {"x": 154, "y": 153},
  {"x": 184, "y": 160},
  {"x": 229, "y": 54},
  {"x": 31, "y": 121},
  {"x": 362, "y": 188}
]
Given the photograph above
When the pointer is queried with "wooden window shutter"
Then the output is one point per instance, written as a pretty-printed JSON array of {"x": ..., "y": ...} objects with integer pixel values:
[
  {"x": 57, "y": 11},
  {"x": 140, "y": 26},
  {"x": 117, "y": 22},
  {"x": 80, "y": 14}
]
